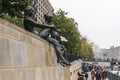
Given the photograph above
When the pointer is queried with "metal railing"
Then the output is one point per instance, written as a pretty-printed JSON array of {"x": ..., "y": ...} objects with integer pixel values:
[{"x": 112, "y": 76}]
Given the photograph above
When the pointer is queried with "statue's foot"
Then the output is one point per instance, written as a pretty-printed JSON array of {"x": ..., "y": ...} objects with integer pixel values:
[{"x": 64, "y": 63}]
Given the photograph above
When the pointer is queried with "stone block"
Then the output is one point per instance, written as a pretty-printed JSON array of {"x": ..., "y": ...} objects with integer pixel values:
[
  {"x": 53, "y": 55},
  {"x": 28, "y": 74},
  {"x": 1, "y": 75},
  {"x": 5, "y": 55},
  {"x": 58, "y": 72},
  {"x": 9, "y": 74},
  {"x": 36, "y": 56},
  {"x": 66, "y": 71},
  {"x": 19, "y": 53},
  {"x": 45, "y": 73},
  {"x": 38, "y": 74}
]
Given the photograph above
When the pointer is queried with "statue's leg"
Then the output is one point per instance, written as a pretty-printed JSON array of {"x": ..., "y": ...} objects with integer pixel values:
[
  {"x": 60, "y": 56},
  {"x": 35, "y": 32},
  {"x": 58, "y": 49},
  {"x": 44, "y": 33},
  {"x": 65, "y": 53},
  {"x": 53, "y": 41}
]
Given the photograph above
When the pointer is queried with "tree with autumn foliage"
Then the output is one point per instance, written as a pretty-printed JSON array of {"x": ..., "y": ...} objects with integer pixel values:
[{"x": 86, "y": 49}]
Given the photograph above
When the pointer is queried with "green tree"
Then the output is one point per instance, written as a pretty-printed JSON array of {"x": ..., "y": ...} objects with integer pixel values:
[
  {"x": 69, "y": 29},
  {"x": 13, "y": 7},
  {"x": 12, "y": 10},
  {"x": 0, "y": 6}
]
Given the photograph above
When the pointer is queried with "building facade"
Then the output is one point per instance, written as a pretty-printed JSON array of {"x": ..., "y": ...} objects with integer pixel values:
[
  {"x": 42, "y": 7},
  {"x": 112, "y": 54}
]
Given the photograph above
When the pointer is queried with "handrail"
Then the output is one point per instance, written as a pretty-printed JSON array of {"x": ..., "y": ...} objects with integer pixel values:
[{"x": 112, "y": 76}]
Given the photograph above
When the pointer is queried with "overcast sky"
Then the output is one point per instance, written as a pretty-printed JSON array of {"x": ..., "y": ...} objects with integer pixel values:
[{"x": 98, "y": 20}]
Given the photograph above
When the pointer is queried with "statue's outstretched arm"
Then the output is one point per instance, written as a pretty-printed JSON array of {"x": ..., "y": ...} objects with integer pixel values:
[{"x": 36, "y": 24}]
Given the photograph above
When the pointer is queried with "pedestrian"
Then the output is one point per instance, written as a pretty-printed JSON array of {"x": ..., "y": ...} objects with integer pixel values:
[
  {"x": 98, "y": 75},
  {"x": 86, "y": 75},
  {"x": 87, "y": 69},
  {"x": 104, "y": 75},
  {"x": 80, "y": 76},
  {"x": 92, "y": 74}
]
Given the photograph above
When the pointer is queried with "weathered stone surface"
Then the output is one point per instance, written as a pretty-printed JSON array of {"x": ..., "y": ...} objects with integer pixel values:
[
  {"x": 70, "y": 73},
  {"x": 18, "y": 53},
  {"x": 5, "y": 55},
  {"x": 34, "y": 73},
  {"x": 1, "y": 75},
  {"x": 22, "y": 49},
  {"x": 25, "y": 56},
  {"x": 38, "y": 74}
]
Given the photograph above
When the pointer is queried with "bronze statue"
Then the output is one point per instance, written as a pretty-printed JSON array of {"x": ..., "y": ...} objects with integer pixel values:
[
  {"x": 49, "y": 32},
  {"x": 30, "y": 23}
]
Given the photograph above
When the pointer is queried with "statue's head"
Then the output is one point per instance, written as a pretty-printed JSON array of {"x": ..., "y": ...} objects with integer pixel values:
[
  {"x": 30, "y": 11},
  {"x": 48, "y": 17}
]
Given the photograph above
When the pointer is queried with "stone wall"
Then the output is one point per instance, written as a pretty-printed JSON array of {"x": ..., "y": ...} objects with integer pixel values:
[
  {"x": 25, "y": 56},
  {"x": 71, "y": 72}
]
